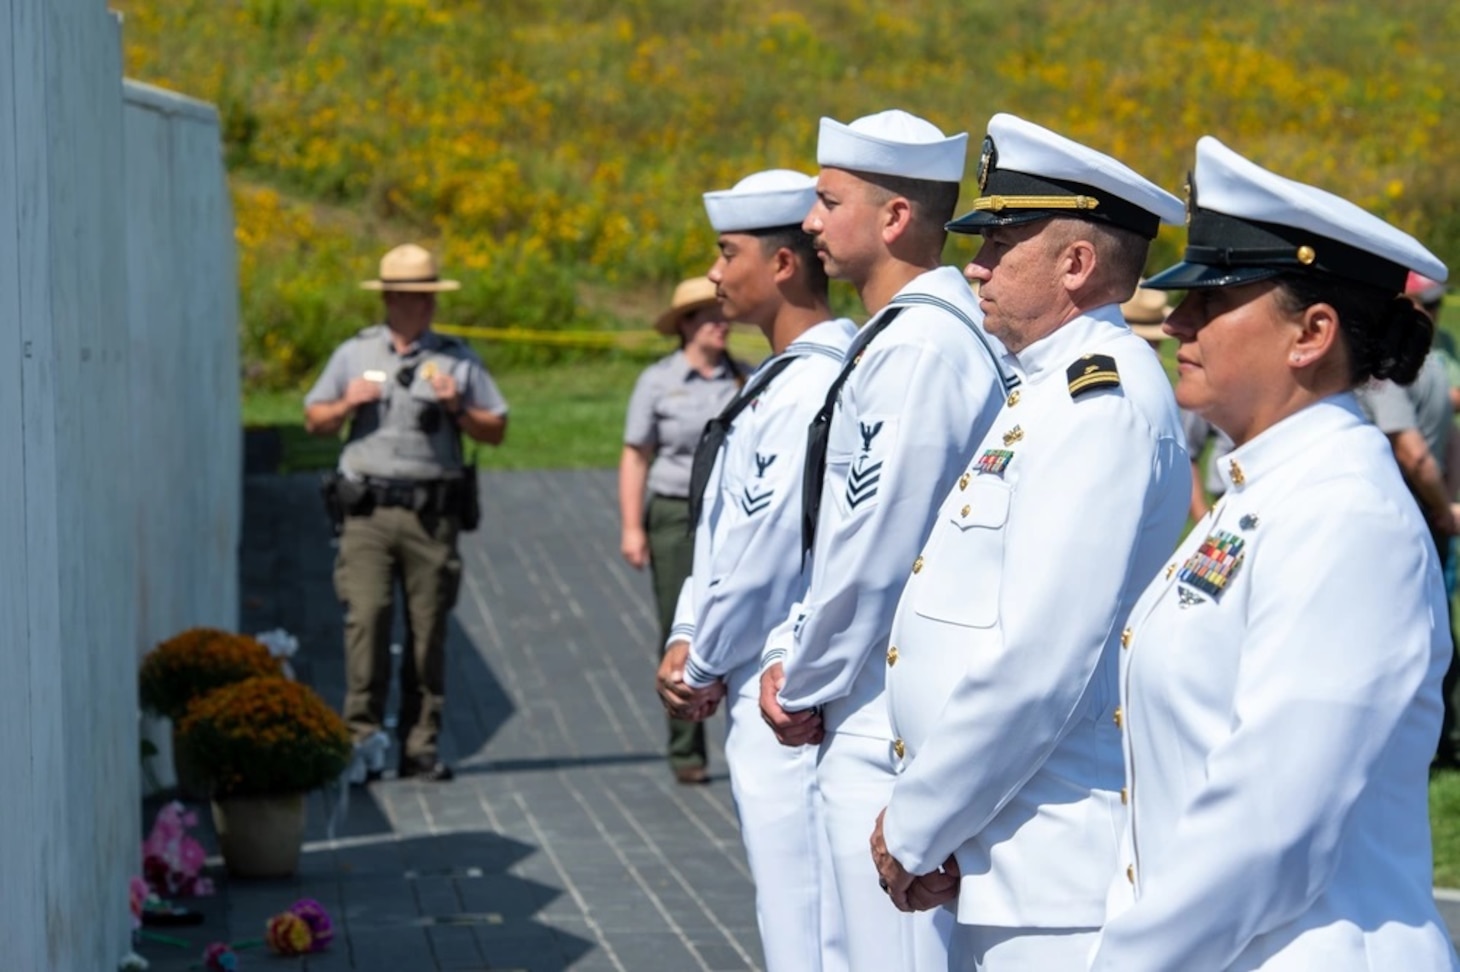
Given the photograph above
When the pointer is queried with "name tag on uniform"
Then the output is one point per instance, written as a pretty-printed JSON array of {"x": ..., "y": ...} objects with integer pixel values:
[
  {"x": 994, "y": 461},
  {"x": 1211, "y": 568}
]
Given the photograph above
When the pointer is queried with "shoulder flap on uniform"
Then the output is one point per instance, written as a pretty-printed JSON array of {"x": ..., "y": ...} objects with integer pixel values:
[{"x": 1092, "y": 371}]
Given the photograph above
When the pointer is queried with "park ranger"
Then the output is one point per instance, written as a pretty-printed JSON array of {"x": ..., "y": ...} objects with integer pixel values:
[
  {"x": 745, "y": 496},
  {"x": 921, "y": 386},
  {"x": 408, "y": 394},
  {"x": 1001, "y": 668}
]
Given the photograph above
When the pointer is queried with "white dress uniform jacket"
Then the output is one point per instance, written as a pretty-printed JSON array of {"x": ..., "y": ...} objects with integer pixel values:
[
  {"x": 1002, "y": 666},
  {"x": 1280, "y": 690},
  {"x": 921, "y": 398},
  {"x": 747, "y": 574}
]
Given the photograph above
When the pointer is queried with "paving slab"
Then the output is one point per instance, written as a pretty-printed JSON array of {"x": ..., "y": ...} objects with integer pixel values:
[{"x": 564, "y": 842}]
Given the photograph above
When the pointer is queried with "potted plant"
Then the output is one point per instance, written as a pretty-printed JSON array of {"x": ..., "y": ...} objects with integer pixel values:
[
  {"x": 189, "y": 665},
  {"x": 263, "y": 743}
]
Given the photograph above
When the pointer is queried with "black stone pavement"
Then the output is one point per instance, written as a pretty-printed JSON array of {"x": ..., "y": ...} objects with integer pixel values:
[{"x": 563, "y": 843}]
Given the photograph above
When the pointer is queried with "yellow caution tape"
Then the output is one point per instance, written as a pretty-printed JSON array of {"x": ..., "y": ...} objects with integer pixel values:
[{"x": 629, "y": 340}]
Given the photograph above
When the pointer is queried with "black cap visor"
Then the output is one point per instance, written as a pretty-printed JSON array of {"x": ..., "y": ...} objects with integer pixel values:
[
  {"x": 979, "y": 220},
  {"x": 1199, "y": 276}
]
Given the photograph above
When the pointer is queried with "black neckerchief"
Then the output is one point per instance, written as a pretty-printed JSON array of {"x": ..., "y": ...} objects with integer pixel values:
[
  {"x": 819, "y": 431},
  {"x": 718, "y": 427}
]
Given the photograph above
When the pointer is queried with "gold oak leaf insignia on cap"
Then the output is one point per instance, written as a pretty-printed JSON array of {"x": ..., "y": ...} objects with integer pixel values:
[{"x": 1091, "y": 372}]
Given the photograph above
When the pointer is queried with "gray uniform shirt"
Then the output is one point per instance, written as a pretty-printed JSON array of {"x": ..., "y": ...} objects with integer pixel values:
[
  {"x": 406, "y": 434},
  {"x": 1423, "y": 405},
  {"x": 667, "y": 412}
]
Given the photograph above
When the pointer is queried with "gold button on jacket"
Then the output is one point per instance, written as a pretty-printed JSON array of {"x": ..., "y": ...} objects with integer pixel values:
[
  {"x": 899, "y": 748},
  {"x": 892, "y": 656}
]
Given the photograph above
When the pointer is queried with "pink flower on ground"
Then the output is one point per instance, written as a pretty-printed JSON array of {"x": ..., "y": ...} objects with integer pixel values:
[
  {"x": 220, "y": 957},
  {"x": 321, "y": 928},
  {"x": 137, "y": 892}
]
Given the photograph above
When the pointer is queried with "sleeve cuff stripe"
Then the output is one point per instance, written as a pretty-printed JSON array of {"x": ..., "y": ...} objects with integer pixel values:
[{"x": 698, "y": 673}]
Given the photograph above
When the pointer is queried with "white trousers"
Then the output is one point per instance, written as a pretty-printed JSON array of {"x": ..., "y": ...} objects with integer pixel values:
[
  {"x": 985, "y": 948},
  {"x": 780, "y": 823},
  {"x": 855, "y": 774}
]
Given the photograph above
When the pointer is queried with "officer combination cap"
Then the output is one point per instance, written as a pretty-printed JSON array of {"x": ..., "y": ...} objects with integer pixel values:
[
  {"x": 1027, "y": 172},
  {"x": 766, "y": 200},
  {"x": 893, "y": 143},
  {"x": 1249, "y": 224}
]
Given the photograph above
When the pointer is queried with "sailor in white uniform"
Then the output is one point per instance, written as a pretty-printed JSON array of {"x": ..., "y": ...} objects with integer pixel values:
[
  {"x": 745, "y": 496},
  {"x": 917, "y": 394},
  {"x": 1002, "y": 662},
  {"x": 1280, "y": 683}
]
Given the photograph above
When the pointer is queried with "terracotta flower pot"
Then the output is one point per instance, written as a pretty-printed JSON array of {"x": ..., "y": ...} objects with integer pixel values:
[{"x": 260, "y": 836}]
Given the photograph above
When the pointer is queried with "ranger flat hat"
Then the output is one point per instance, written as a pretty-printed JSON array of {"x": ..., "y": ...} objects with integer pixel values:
[
  {"x": 1145, "y": 312},
  {"x": 689, "y": 296},
  {"x": 1027, "y": 172},
  {"x": 411, "y": 269},
  {"x": 892, "y": 143},
  {"x": 1248, "y": 224},
  {"x": 766, "y": 200}
]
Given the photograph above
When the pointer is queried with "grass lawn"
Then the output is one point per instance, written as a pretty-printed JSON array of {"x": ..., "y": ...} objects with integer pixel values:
[{"x": 1445, "y": 824}]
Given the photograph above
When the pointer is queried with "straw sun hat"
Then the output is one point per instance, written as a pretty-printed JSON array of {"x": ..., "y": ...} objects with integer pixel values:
[
  {"x": 689, "y": 296},
  {"x": 412, "y": 269},
  {"x": 1144, "y": 312}
]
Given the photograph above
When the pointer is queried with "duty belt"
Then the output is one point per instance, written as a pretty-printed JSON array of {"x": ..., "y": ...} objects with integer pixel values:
[{"x": 412, "y": 494}]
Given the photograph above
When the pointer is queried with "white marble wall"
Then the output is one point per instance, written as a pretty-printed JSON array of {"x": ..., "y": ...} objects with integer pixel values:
[
  {"x": 113, "y": 531},
  {"x": 182, "y": 365}
]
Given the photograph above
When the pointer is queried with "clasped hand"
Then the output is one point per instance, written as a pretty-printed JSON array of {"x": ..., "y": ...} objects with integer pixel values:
[
  {"x": 682, "y": 700},
  {"x": 800, "y": 728},
  {"x": 912, "y": 892}
]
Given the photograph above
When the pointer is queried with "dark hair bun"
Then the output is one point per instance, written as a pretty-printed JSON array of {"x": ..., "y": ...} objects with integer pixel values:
[{"x": 1406, "y": 333}]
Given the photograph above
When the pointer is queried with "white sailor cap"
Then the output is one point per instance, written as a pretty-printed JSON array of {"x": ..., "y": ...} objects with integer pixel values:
[
  {"x": 1248, "y": 224},
  {"x": 892, "y": 143},
  {"x": 765, "y": 200},
  {"x": 1027, "y": 172}
]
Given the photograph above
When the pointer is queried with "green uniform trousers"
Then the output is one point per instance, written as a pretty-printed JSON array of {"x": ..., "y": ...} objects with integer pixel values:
[
  {"x": 671, "y": 560},
  {"x": 387, "y": 545}
]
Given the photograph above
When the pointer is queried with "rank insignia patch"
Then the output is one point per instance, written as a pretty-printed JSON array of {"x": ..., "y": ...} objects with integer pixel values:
[
  {"x": 994, "y": 461},
  {"x": 1214, "y": 564},
  {"x": 862, "y": 481},
  {"x": 753, "y": 502},
  {"x": 1091, "y": 372}
]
